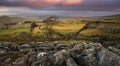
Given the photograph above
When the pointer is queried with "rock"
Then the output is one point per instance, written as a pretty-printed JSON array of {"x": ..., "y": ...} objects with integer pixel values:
[
  {"x": 63, "y": 58},
  {"x": 39, "y": 54},
  {"x": 9, "y": 46},
  {"x": 117, "y": 51},
  {"x": 108, "y": 58},
  {"x": 71, "y": 62},
  {"x": 2, "y": 51},
  {"x": 7, "y": 62},
  {"x": 26, "y": 46},
  {"x": 61, "y": 47},
  {"x": 41, "y": 42}
]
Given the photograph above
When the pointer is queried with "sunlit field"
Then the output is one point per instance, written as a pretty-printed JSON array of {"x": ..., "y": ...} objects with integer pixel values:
[{"x": 67, "y": 27}]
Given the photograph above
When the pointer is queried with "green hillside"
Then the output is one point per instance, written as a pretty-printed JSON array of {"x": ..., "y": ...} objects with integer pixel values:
[
  {"x": 80, "y": 29},
  {"x": 112, "y": 18}
]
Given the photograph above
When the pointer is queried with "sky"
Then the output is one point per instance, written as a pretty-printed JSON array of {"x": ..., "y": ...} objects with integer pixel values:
[{"x": 73, "y": 8}]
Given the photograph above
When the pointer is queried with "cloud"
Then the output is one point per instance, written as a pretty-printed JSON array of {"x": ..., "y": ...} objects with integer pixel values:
[
  {"x": 21, "y": 11},
  {"x": 2, "y": 9},
  {"x": 71, "y": 2},
  {"x": 80, "y": 5},
  {"x": 42, "y": 3},
  {"x": 38, "y": 3}
]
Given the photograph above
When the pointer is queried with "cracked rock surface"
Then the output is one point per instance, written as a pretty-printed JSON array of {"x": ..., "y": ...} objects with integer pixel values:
[{"x": 42, "y": 54}]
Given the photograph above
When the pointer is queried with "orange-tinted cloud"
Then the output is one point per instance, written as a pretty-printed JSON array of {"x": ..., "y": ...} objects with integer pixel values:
[
  {"x": 71, "y": 2},
  {"x": 41, "y": 3},
  {"x": 81, "y": 5}
]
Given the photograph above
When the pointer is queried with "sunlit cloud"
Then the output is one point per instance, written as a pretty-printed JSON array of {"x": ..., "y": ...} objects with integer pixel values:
[
  {"x": 3, "y": 9},
  {"x": 71, "y": 2},
  {"x": 41, "y": 3},
  {"x": 86, "y": 5}
]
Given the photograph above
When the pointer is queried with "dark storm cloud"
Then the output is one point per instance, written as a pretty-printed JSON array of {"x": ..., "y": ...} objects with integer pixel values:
[
  {"x": 94, "y": 5},
  {"x": 88, "y": 5},
  {"x": 11, "y": 3}
]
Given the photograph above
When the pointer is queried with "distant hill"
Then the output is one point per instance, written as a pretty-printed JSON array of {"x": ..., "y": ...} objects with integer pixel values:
[
  {"x": 117, "y": 15},
  {"x": 111, "y": 17},
  {"x": 7, "y": 19},
  {"x": 33, "y": 18}
]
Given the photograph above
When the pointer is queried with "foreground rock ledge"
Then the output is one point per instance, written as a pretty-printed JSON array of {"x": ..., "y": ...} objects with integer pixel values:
[{"x": 42, "y": 54}]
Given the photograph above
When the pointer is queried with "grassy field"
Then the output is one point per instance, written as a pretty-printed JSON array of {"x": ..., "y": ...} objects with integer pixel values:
[
  {"x": 12, "y": 31},
  {"x": 65, "y": 26},
  {"x": 16, "y": 28}
]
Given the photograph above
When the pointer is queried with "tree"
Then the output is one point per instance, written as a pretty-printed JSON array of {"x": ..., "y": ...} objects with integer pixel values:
[
  {"x": 33, "y": 25},
  {"x": 49, "y": 23}
]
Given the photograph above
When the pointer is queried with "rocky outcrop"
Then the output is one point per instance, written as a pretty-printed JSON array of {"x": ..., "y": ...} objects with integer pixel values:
[{"x": 58, "y": 54}]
